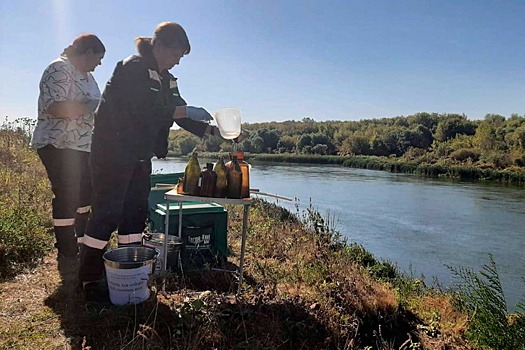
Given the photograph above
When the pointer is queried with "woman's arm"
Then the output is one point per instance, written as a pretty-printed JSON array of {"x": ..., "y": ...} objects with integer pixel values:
[{"x": 67, "y": 109}]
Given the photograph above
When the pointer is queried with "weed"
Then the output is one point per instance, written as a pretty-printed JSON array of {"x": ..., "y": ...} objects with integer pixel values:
[{"x": 482, "y": 296}]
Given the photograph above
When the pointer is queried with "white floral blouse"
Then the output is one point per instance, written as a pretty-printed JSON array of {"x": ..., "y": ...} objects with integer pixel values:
[{"x": 61, "y": 81}]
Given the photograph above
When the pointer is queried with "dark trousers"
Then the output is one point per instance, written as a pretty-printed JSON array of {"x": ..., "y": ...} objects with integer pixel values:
[
  {"x": 69, "y": 174},
  {"x": 119, "y": 201}
]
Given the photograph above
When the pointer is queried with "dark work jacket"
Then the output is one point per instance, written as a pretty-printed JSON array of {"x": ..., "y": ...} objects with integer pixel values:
[{"x": 134, "y": 116}]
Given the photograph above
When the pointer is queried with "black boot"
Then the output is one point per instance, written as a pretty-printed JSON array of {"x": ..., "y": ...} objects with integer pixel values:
[
  {"x": 90, "y": 274},
  {"x": 66, "y": 241},
  {"x": 80, "y": 224}
]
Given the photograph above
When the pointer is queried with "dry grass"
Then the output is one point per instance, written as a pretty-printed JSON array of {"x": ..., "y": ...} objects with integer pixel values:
[
  {"x": 299, "y": 295},
  {"x": 302, "y": 290}
]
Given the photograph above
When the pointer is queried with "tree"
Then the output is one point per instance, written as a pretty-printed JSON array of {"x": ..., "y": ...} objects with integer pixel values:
[
  {"x": 429, "y": 121},
  {"x": 319, "y": 149},
  {"x": 356, "y": 144},
  {"x": 186, "y": 144},
  {"x": 286, "y": 144},
  {"x": 453, "y": 125},
  {"x": 304, "y": 140},
  {"x": 490, "y": 133},
  {"x": 213, "y": 144}
]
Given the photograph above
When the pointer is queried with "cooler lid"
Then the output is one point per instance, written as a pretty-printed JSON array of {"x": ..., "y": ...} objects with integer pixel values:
[{"x": 191, "y": 207}]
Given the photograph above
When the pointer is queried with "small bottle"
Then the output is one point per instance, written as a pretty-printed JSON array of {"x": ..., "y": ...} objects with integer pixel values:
[
  {"x": 180, "y": 186},
  {"x": 245, "y": 168},
  {"x": 221, "y": 184},
  {"x": 208, "y": 180},
  {"x": 234, "y": 178},
  {"x": 191, "y": 176}
]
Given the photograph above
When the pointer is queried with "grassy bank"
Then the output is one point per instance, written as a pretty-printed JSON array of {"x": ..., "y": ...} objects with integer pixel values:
[
  {"x": 514, "y": 176},
  {"x": 305, "y": 288},
  {"x": 25, "y": 195}
]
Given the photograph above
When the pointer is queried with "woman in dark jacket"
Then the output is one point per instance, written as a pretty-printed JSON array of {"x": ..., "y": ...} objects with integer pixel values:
[{"x": 139, "y": 105}]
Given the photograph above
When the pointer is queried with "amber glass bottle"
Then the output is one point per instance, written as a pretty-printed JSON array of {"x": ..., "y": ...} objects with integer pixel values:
[
  {"x": 234, "y": 178},
  {"x": 208, "y": 180},
  {"x": 180, "y": 186},
  {"x": 245, "y": 169},
  {"x": 191, "y": 176},
  {"x": 221, "y": 185}
]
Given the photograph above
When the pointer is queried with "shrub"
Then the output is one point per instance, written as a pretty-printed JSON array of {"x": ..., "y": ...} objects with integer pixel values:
[
  {"x": 490, "y": 324},
  {"x": 463, "y": 154},
  {"x": 24, "y": 203},
  {"x": 24, "y": 238}
]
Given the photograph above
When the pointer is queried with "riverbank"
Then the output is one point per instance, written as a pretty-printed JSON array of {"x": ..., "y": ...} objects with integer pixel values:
[
  {"x": 304, "y": 288},
  {"x": 512, "y": 176}
]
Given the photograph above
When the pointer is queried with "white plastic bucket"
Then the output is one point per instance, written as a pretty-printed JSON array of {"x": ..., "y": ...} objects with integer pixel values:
[{"x": 127, "y": 271}]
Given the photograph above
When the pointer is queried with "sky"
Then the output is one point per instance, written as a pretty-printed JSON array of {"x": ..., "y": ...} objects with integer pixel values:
[{"x": 286, "y": 60}]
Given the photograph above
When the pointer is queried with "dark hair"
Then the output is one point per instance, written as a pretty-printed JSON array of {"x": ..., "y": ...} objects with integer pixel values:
[{"x": 83, "y": 43}]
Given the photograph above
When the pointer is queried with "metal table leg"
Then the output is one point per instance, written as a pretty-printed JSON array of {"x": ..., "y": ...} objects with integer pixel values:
[
  {"x": 180, "y": 221},
  {"x": 164, "y": 266},
  {"x": 165, "y": 242},
  {"x": 243, "y": 245}
]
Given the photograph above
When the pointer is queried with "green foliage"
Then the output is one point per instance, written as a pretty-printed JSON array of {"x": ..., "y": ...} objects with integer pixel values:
[
  {"x": 463, "y": 154},
  {"x": 24, "y": 239},
  {"x": 24, "y": 201},
  {"x": 482, "y": 296},
  {"x": 428, "y": 138},
  {"x": 183, "y": 143},
  {"x": 452, "y": 125}
]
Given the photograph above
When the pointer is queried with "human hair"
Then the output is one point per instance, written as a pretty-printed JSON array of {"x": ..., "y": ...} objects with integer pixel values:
[
  {"x": 171, "y": 34},
  {"x": 82, "y": 43}
]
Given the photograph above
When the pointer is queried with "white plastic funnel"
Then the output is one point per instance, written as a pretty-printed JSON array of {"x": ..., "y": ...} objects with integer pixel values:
[{"x": 229, "y": 122}]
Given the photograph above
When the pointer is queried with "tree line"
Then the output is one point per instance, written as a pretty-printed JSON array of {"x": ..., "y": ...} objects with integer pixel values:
[{"x": 495, "y": 141}]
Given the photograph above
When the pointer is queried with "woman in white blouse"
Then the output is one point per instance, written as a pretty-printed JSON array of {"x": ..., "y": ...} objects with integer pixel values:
[{"x": 68, "y": 98}]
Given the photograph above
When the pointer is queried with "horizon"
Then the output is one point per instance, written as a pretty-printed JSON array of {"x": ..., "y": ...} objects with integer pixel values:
[{"x": 279, "y": 61}]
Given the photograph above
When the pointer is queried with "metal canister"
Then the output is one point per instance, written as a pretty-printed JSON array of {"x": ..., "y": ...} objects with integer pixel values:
[{"x": 156, "y": 241}]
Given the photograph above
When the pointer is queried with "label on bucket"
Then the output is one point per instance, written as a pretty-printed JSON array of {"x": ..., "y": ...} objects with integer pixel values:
[{"x": 128, "y": 286}]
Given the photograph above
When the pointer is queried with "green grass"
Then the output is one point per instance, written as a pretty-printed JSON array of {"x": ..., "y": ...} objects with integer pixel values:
[
  {"x": 305, "y": 286},
  {"x": 25, "y": 199},
  {"x": 490, "y": 326}
]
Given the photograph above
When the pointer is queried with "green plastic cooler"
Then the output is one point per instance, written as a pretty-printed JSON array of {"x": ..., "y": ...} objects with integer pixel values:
[{"x": 204, "y": 226}]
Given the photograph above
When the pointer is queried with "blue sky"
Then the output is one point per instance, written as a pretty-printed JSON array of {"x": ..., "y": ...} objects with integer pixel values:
[{"x": 282, "y": 60}]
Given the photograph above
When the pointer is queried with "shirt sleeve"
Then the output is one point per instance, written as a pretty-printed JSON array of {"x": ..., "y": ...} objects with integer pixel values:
[{"x": 55, "y": 84}]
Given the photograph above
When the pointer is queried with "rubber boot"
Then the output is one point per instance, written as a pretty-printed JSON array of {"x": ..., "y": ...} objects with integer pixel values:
[
  {"x": 80, "y": 226},
  {"x": 66, "y": 241},
  {"x": 91, "y": 266}
]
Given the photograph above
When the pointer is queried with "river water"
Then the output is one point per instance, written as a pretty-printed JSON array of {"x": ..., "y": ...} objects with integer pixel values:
[{"x": 419, "y": 224}]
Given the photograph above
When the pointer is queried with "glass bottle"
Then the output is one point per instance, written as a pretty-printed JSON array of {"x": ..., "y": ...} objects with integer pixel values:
[
  {"x": 221, "y": 184},
  {"x": 191, "y": 176},
  {"x": 245, "y": 168},
  {"x": 234, "y": 178},
  {"x": 208, "y": 180},
  {"x": 180, "y": 186}
]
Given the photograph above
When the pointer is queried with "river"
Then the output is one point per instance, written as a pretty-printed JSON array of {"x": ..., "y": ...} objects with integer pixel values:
[{"x": 419, "y": 224}]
